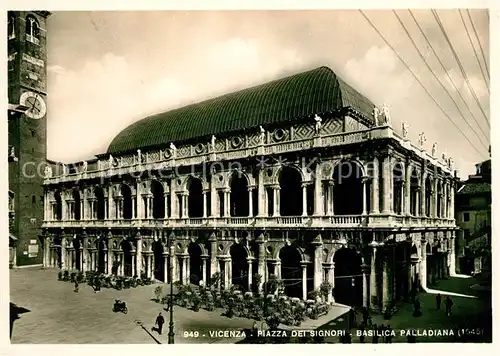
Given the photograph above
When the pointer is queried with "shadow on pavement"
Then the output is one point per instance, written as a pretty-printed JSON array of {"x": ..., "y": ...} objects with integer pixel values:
[{"x": 15, "y": 313}]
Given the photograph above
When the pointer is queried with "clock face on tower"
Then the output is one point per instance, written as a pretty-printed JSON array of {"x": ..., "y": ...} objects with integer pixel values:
[{"x": 35, "y": 104}]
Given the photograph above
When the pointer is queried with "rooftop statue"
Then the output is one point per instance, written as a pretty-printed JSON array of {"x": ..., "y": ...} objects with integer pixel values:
[
  {"x": 318, "y": 120},
  {"x": 376, "y": 113}
]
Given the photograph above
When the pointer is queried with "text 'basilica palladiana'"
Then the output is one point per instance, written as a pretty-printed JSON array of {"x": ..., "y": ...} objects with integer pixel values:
[{"x": 302, "y": 178}]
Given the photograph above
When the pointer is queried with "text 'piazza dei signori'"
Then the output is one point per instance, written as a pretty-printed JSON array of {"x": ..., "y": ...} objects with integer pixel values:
[{"x": 302, "y": 178}]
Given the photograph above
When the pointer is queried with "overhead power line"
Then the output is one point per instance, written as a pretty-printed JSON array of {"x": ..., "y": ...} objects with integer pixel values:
[
  {"x": 438, "y": 20},
  {"x": 418, "y": 80},
  {"x": 475, "y": 52},
  {"x": 447, "y": 74},
  {"x": 442, "y": 85},
  {"x": 480, "y": 45}
]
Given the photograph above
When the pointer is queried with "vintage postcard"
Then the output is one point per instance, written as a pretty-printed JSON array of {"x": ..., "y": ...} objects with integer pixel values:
[{"x": 249, "y": 176}]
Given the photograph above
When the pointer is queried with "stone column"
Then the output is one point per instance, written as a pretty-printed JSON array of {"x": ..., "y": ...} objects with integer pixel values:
[
  {"x": 213, "y": 198},
  {"x": 330, "y": 205},
  {"x": 64, "y": 264},
  {"x": 304, "y": 281},
  {"x": 84, "y": 259},
  {"x": 318, "y": 262},
  {"x": 250, "y": 202},
  {"x": 318, "y": 201},
  {"x": 250, "y": 273},
  {"x": 133, "y": 254},
  {"x": 109, "y": 260},
  {"x": 204, "y": 270},
  {"x": 373, "y": 279},
  {"x": 214, "y": 265},
  {"x": 452, "y": 202},
  {"x": 261, "y": 194},
  {"x": 330, "y": 272},
  {"x": 152, "y": 266},
  {"x": 138, "y": 258},
  {"x": 386, "y": 297},
  {"x": 422, "y": 195},
  {"x": 122, "y": 263},
  {"x": 304, "y": 199},
  {"x": 227, "y": 276},
  {"x": 188, "y": 269},
  {"x": 387, "y": 182},
  {"x": 185, "y": 208},
  {"x": 277, "y": 269},
  {"x": 174, "y": 212},
  {"x": 407, "y": 191},
  {"x": 276, "y": 202},
  {"x": 134, "y": 207},
  {"x": 364, "y": 270},
  {"x": 364, "y": 180},
  {"x": 262, "y": 261},
  {"x": 166, "y": 206},
  {"x": 434, "y": 212},
  {"x": 173, "y": 264},
  {"x": 205, "y": 203}
]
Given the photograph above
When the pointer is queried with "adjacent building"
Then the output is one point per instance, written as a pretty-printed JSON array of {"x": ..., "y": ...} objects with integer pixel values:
[
  {"x": 473, "y": 215},
  {"x": 303, "y": 178}
]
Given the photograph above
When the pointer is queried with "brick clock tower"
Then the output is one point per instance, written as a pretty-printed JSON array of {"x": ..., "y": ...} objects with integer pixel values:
[{"x": 27, "y": 122}]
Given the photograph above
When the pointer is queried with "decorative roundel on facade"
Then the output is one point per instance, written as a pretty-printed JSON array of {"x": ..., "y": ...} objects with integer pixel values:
[
  {"x": 279, "y": 134},
  {"x": 199, "y": 148},
  {"x": 179, "y": 182},
  {"x": 179, "y": 246},
  {"x": 269, "y": 172},
  {"x": 167, "y": 154},
  {"x": 236, "y": 141},
  {"x": 115, "y": 245},
  {"x": 269, "y": 249},
  {"x": 221, "y": 247},
  {"x": 144, "y": 245},
  {"x": 220, "y": 178}
]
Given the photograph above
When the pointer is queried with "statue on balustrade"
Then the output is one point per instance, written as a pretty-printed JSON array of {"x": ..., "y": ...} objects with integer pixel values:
[
  {"x": 48, "y": 172},
  {"x": 65, "y": 170},
  {"x": 376, "y": 113},
  {"x": 262, "y": 135},
  {"x": 85, "y": 166},
  {"x": 387, "y": 115},
  {"x": 434, "y": 149},
  {"x": 173, "y": 149},
  {"x": 405, "y": 129},
  {"x": 212, "y": 142},
  {"x": 139, "y": 156},
  {"x": 422, "y": 140},
  {"x": 110, "y": 161},
  {"x": 318, "y": 120}
]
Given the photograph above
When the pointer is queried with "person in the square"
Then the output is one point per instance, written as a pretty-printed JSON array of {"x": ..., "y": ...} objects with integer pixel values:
[{"x": 159, "y": 322}]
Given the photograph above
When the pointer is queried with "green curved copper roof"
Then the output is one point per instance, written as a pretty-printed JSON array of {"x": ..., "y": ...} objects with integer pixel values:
[{"x": 316, "y": 91}]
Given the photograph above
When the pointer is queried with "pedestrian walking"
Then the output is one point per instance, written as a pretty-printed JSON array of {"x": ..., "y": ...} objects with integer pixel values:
[
  {"x": 449, "y": 303},
  {"x": 76, "y": 286},
  {"x": 362, "y": 335},
  {"x": 375, "y": 334},
  {"x": 438, "y": 301},
  {"x": 159, "y": 322}
]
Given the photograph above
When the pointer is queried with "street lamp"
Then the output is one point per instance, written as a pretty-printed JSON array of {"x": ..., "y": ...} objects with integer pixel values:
[{"x": 171, "y": 334}]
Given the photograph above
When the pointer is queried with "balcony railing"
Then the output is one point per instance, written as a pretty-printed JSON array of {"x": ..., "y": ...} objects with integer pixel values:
[
  {"x": 334, "y": 221},
  {"x": 32, "y": 39}
]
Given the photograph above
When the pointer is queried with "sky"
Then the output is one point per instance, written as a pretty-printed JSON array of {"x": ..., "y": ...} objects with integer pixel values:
[{"x": 107, "y": 70}]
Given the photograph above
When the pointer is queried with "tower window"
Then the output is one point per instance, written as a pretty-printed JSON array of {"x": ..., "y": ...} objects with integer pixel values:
[
  {"x": 32, "y": 133},
  {"x": 32, "y": 30},
  {"x": 33, "y": 200},
  {"x": 11, "y": 201}
]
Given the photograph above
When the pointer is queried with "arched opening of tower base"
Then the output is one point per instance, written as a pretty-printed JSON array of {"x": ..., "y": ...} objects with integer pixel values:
[
  {"x": 159, "y": 261},
  {"x": 239, "y": 266},
  {"x": 348, "y": 277},
  {"x": 195, "y": 263},
  {"x": 291, "y": 271}
]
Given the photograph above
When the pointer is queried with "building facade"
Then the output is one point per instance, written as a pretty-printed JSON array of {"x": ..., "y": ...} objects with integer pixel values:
[
  {"x": 473, "y": 216},
  {"x": 27, "y": 128},
  {"x": 302, "y": 178}
]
